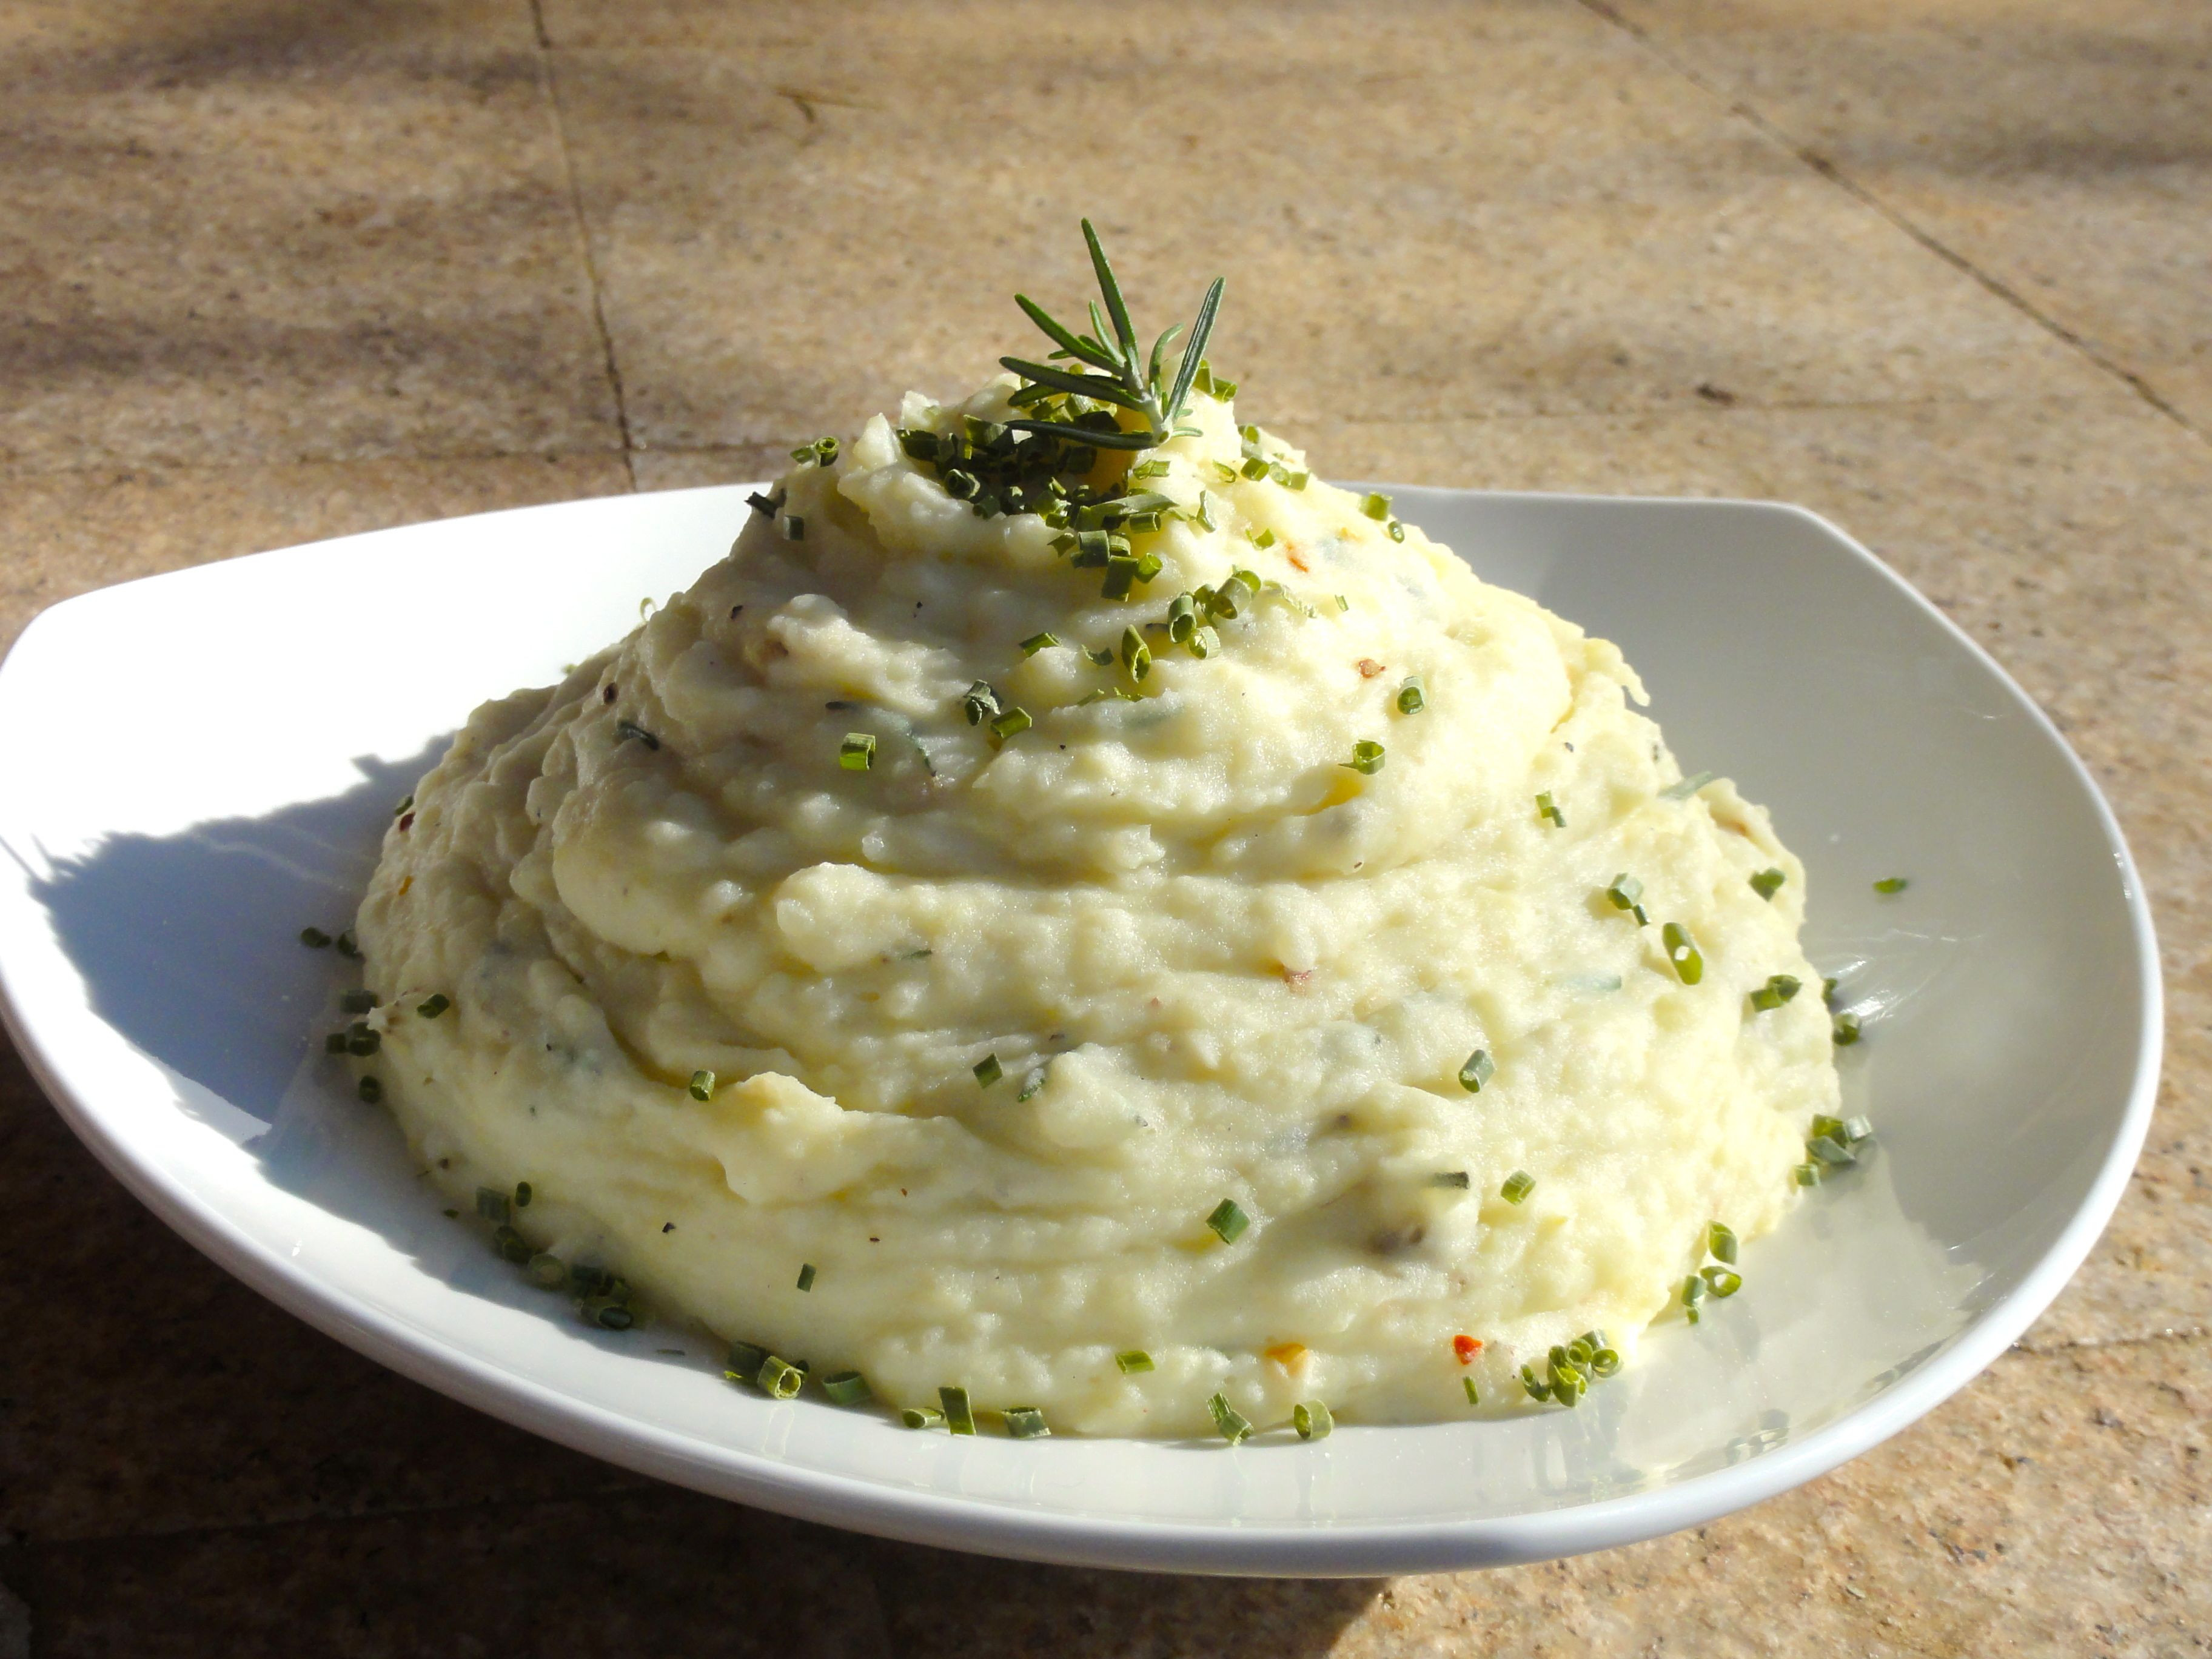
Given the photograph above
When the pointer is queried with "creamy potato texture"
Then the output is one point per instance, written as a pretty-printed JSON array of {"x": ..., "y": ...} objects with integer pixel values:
[{"x": 1212, "y": 960}]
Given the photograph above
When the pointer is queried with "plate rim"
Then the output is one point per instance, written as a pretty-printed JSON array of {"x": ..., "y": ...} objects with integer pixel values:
[{"x": 948, "y": 1519}]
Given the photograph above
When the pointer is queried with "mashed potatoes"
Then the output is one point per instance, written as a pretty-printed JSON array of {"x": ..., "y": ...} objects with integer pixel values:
[{"x": 999, "y": 1010}]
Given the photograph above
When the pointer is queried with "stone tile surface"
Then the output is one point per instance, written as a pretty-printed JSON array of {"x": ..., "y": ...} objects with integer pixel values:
[
  {"x": 2073, "y": 539},
  {"x": 659, "y": 1573},
  {"x": 146, "y": 1391},
  {"x": 285, "y": 233},
  {"x": 64, "y": 532},
  {"x": 2060, "y": 146},
  {"x": 275, "y": 269},
  {"x": 2014, "y": 1522},
  {"x": 792, "y": 224}
]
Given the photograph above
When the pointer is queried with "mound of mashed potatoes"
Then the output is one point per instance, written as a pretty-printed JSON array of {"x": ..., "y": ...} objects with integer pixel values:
[{"x": 998, "y": 1011}]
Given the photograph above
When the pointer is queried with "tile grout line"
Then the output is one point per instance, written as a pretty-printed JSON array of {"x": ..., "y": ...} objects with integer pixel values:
[
  {"x": 552, "y": 91},
  {"x": 1835, "y": 175}
]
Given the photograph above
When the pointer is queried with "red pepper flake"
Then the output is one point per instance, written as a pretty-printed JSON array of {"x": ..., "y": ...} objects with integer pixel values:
[
  {"x": 1368, "y": 668},
  {"x": 406, "y": 821},
  {"x": 1465, "y": 1347},
  {"x": 1291, "y": 553}
]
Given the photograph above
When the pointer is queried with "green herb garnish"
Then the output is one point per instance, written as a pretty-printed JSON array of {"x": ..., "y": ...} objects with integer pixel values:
[
  {"x": 857, "y": 753},
  {"x": 1891, "y": 884},
  {"x": 1235, "y": 1426},
  {"x": 702, "y": 1086},
  {"x": 1311, "y": 1419},
  {"x": 845, "y": 1389},
  {"x": 1767, "y": 882},
  {"x": 959, "y": 1416},
  {"x": 1366, "y": 758},
  {"x": 807, "y": 1275},
  {"x": 988, "y": 1070},
  {"x": 1682, "y": 952},
  {"x": 1133, "y": 1360},
  {"x": 433, "y": 1004},
  {"x": 1228, "y": 1220},
  {"x": 1517, "y": 1187},
  {"x": 1412, "y": 699},
  {"x": 1477, "y": 1072},
  {"x": 314, "y": 938}
]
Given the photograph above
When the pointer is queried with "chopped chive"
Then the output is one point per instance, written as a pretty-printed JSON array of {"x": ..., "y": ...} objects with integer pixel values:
[
  {"x": 1693, "y": 1293},
  {"x": 1477, "y": 1072},
  {"x": 547, "y": 1273},
  {"x": 795, "y": 528},
  {"x": 1395, "y": 530},
  {"x": 921, "y": 1417},
  {"x": 1689, "y": 966},
  {"x": 1807, "y": 1174},
  {"x": 1233, "y": 1424},
  {"x": 492, "y": 1204},
  {"x": 1845, "y": 1030},
  {"x": 314, "y": 938},
  {"x": 1225, "y": 473},
  {"x": 1517, "y": 1187},
  {"x": 1767, "y": 882},
  {"x": 1342, "y": 604},
  {"x": 363, "y": 1040},
  {"x": 1856, "y": 1129},
  {"x": 1720, "y": 1241},
  {"x": 845, "y": 1389},
  {"x": 1297, "y": 481},
  {"x": 1891, "y": 884},
  {"x": 369, "y": 1090},
  {"x": 612, "y": 1316},
  {"x": 1013, "y": 722},
  {"x": 433, "y": 1004},
  {"x": 1411, "y": 698},
  {"x": 1777, "y": 990},
  {"x": 1228, "y": 1220},
  {"x": 778, "y": 1379},
  {"x": 1152, "y": 469},
  {"x": 1725, "y": 1281},
  {"x": 988, "y": 1070},
  {"x": 511, "y": 1245},
  {"x": 1024, "y": 1423},
  {"x": 746, "y": 1359},
  {"x": 1366, "y": 758},
  {"x": 766, "y": 505},
  {"x": 625, "y": 730},
  {"x": 1183, "y": 617},
  {"x": 1254, "y": 468},
  {"x": 1455, "y": 1178},
  {"x": 335, "y": 1043},
  {"x": 1376, "y": 506},
  {"x": 959, "y": 1416},
  {"x": 523, "y": 1194},
  {"x": 1133, "y": 1360},
  {"x": 1264, "y": 539},
  {"x": 1624, "y": 891},
  {"x": 1121, "y": 577},
  {"x": 345, "y": 946},
  {"x": 1536, "y": 1390},
  {"x": 1311, "y": 1419},
  {"x": 980, "y": 702},
  {"x": 1136, "y": 655},
  {"x": 702, "y": 1086},
  {"x": 356, "y": 1002},
  {"x": 1826, "y": 1151},
  {"x": 807, "y": 1275},
  {"x": 1474, "y": 1395},
  {"x": 1031, "y": 1085},
  {"x": 1549, "y": 808},
  {"x": 1828, "y": 991},
  {"x": 857, "y": 753},
  {"x": 1204, "y": 643},
  {"x": 1686, "y": 788},
  {"x": 1037, "y": 642}
]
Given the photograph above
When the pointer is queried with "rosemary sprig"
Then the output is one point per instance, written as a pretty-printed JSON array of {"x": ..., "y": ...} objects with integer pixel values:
[{"x": 1124, "y": 376}]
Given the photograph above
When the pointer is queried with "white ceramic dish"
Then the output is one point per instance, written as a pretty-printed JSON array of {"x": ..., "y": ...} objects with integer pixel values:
[{"x": 200, "y": 764}]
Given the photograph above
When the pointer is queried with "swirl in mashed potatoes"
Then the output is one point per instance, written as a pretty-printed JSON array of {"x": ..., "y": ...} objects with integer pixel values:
[{"x": 1206, "y": 957}]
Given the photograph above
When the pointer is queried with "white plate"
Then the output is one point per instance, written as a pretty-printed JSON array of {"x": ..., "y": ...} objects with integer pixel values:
[{"x": 200, "y": 764}]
